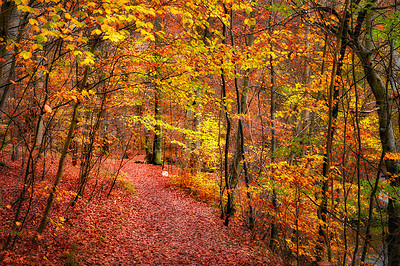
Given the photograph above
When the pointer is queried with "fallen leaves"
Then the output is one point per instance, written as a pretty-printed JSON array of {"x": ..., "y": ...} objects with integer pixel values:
[{"x": 156, "y": 225}]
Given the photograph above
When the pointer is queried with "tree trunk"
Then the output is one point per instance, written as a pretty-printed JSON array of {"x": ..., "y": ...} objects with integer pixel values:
[
  {"x": 147, "y": 146},
  {"x": 239, "y": 163},
  {"x": 387, "y": 137},
  {"x": 274, "y": 200},
  {"x": 9, "y": 15},
  {"x": 6, "y": 18},
  {"x": 193, "y": 125},
  {"x": 225, "y": 214},
  {"x": 388, "y": 143},
  {"x": 157, "y": 143},
  {"x": 64, "y": 152},
  {"x": 333, "y": 103}
]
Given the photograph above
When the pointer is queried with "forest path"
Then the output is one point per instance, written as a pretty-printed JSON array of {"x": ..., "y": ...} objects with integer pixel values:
[
  {"x": 157, "y": 225},
  {"x": 165, "y": 226}
]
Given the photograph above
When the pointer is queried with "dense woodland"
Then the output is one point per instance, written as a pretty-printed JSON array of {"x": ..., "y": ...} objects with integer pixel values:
[{"x": 283, "y": 114}]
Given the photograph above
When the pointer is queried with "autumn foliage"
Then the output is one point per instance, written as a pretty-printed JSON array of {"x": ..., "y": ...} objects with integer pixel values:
[{"x": 282, "y": 114}]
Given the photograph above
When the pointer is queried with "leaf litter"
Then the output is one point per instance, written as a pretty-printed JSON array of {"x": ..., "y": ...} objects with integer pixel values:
[{"x": 159, "y": 224}]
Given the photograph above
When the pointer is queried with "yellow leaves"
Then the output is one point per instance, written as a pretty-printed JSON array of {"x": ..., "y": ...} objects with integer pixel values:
[
  {"x": 85, "y": 93},
  {"x": 147, "y": 35},
  {"x": 96, "y": 32},
  {"x": 110, "y": 33},
  {"x": 87, "y": 61},
  {"x": 91, "y": 4},
  {"x": 33, "y": 21},
  {"x": 105, "y": 27},
  {"x": 26, "y": 55},
  {"x": 18, "y": 223},
  {"x": 142, "y": 9},
  {"x": 23, "y": 5},
  {"x": 145, "y": 25},
  {"x": 71, "y": 47},
  {"x": 98, "y": 11},
  {"x": 249, "y": 9},
  {"x": 173, "y": 11},
  {"x": 82, "y": 40},
  {"x": 250, "y": 22},
  {"x": 77, "y": 53},
  {"x": 272, "y": 55}
]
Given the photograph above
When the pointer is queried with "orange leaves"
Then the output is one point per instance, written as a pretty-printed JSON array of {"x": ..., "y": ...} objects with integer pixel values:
[
  {"x": 35, "y": 29},
  {"x": 392, "y": 156},
  {"x": 74, "y": 95}
]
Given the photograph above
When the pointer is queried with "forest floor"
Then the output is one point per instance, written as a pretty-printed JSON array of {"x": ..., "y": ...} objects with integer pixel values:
[{"x": 158, "y": 224}]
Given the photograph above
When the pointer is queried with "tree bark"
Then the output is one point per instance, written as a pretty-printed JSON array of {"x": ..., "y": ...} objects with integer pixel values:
[
  {"x": 157, "y": 143},
  {"x": 386, "y": 134},
  {"x": 64, "y": 152},
  {"x": 333, "y": 103},
  {"x": 9, "y": 15},
  {"x": 388, "y": 143},
  {"x": 239, "y": 163}
]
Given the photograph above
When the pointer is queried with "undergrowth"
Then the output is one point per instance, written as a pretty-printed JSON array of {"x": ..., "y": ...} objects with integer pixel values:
[
  {"x": 202, "y": 186},
  {"x": 126, "y": 184},
  {"x": 70, "y": 257}
]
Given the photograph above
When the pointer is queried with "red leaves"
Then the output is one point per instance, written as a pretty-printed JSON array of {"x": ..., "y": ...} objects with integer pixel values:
[{"x": 157, "y": 225}]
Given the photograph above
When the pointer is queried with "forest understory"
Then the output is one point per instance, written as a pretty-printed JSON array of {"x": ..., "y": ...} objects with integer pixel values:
[
  {"x": 282, "y": 116},
  {"x": 150, "y": 222}
]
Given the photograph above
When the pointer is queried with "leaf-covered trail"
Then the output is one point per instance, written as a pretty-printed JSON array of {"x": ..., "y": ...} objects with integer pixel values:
[
  {"x": 165, "y": 226},
  {"x": 157, "y": 225}
]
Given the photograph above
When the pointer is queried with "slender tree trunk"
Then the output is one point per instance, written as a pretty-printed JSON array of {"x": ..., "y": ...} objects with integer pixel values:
[
  {"x": 239, "y": 163},
  {"x": 388, "y": 142},
  {"x": 9, "y": 15},
  {"x": 64, "y": 152},
  {"x": 387, "y": 137},
  {"x": 274, "y": 199},
  {"x": 193, "y": 117},
  {"x": 333, "y": 103},
  {"x": 147, "y": 146},
  {"x": 6, "y": 18},
  {"x": 226, "y": 212},
  {"x": 157, "y": 144},
  {"x": 86, "y": 163}
]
